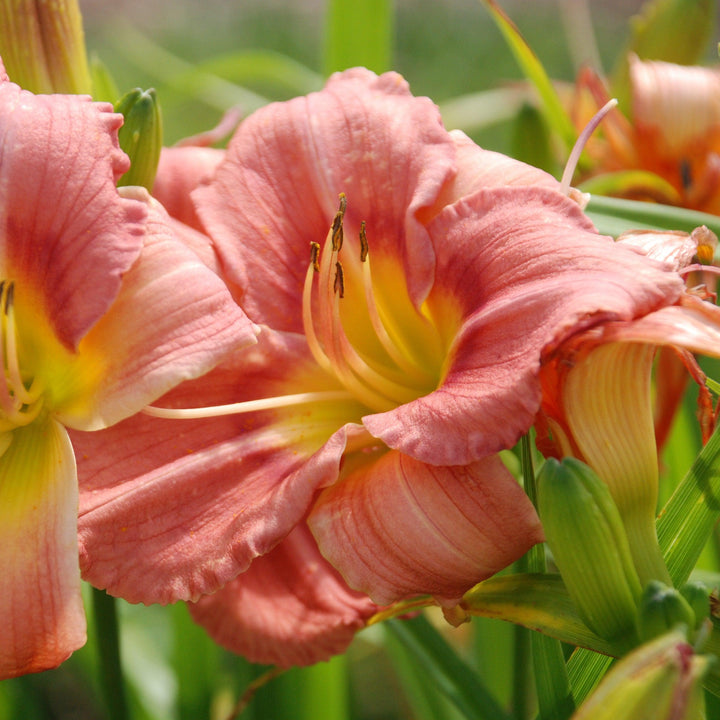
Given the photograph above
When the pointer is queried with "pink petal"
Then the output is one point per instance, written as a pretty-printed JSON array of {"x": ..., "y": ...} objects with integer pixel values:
[
  {"x": 278, "y": 189},
  {"x": 478, "y": 169},
  {"x": 180, "y": 171},
  {"x": 693, "y": 325},
  {"x": 40, "y": 602},
  {"x": 525, "y": 270},
  {"x": 61, "y": 216},
  {"x": 290, "y": 607},
  {"x": 173, "y": 509},
  {"x": 173, "y": 320},
  {"x": 397, "y": 527}
]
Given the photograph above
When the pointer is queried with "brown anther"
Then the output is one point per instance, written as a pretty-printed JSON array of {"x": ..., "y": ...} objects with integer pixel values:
[
  {"x": 339, "y": 284},
  {"x": 315, "y": 256},
  {"x": 363, "y": 243},
  {"x": 337, "y": 225},
  {"x": 9, "y": 297},
  {"x": 337, "y": 232}
]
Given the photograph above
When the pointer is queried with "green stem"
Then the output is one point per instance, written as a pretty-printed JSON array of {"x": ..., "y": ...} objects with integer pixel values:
[
  {"x": 551, "y": 680},
  {"x": 108, "y": 645}
]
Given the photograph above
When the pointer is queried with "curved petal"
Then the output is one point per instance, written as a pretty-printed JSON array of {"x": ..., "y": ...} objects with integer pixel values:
[
  {"x": 289, "y": 608},
  {"x": 527, "y": 269},
  {"x": 173, "y": 320},
  {"x": 61, "y": 217},
  {"x": 40, "y": 602},
  {"x": 277, "y": 190},
  {"x": 423, "y": 529},
  {"x": 478, "y": 169},
  {"x": 173, "y": 509},
  {"x": 693, "y": 325},
  {"x": 180, "y": 171}
]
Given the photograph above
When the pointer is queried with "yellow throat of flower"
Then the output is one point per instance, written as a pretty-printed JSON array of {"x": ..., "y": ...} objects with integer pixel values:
[{"x": 381, "y": 362}]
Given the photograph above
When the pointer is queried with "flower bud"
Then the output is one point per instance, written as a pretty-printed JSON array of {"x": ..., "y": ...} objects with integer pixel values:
[
  {"x": 661, "y": 609},
  {"x": 140, "y": 136},
  {"x": 698, "y": 598},
  {"x": 660, "y": 680},
  {"x": 584, "y": 531},
  {"x": 42, "y": 45}
]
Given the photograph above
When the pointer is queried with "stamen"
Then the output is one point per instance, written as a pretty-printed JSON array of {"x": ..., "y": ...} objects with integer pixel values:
[
  {"x": 315, "y": 256},
  {"x": 273, "y": 403},
  {"x": 380, "y": 387},
  {"x": 363, "y": 243},
  {"x": 19, "y": 405},
  {"x": 391, "y": 346},
  {"x": 580, "y": 145}
]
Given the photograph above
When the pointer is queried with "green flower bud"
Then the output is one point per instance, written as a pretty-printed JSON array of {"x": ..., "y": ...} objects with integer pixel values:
[
  {"x": 662, "y": 608},
  {"x": 140, "y": 136},
  {"x": 588, "y": 541},
  {"x": 661, "y": 680},
  {"x": 698, "y": 598}
]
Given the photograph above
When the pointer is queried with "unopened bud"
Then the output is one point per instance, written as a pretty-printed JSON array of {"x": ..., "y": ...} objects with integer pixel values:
[
  {"x": 660, "y": 680},
  {"x": 140, "y": 136},
  {"x": 661, "y": 609},
  {"x": 588, "y": 541}
]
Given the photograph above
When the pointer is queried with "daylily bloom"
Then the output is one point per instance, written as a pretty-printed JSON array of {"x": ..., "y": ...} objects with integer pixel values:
[
  {"x": 102, "y": 310},
  {"x": 597, "y": 403},
  {"x": 668, "y": 148},
  {"x": 405, "y": 283}
]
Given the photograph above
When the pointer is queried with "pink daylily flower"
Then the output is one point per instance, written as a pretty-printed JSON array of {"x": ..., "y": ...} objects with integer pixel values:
[
  {"x": 92, "y": 328},
  {"x": 668, "y": 147},
  {"x": 399, "y": 351}
]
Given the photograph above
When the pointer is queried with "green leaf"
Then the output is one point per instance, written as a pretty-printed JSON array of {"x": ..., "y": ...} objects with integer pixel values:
[
  {"x": 689, "y": 516},
  {"x": 358, "y": 33},
  {"x": 444, "y": 668},
  {"x": 624, "y": 182},
  {"x": 613, "y": 216},
  {"x": 532, "y": 68},
  {"x": 267, "y": 71},
  {"x": 585, "y": 669},
  {"x": 537, "y": 601},
  {"x": 104, "y": 87}
]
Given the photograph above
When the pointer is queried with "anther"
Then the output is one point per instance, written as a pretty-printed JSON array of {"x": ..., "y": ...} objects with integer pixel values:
[
  {"x": 315, "y": 256},
  {"x": 363, "y": 243},
  {"x": 9, "y": 297},
  {"x": 339, "y": 284},
  {"x": 337, "y": 225}
]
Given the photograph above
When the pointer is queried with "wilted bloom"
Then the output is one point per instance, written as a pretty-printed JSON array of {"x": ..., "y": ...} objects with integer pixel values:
[
  {"x": 597, "y": 402},
  {"x": 102, "y": 310},
  {"x": 405, "y": 283},
  {"x": 672, "y": 135}
]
